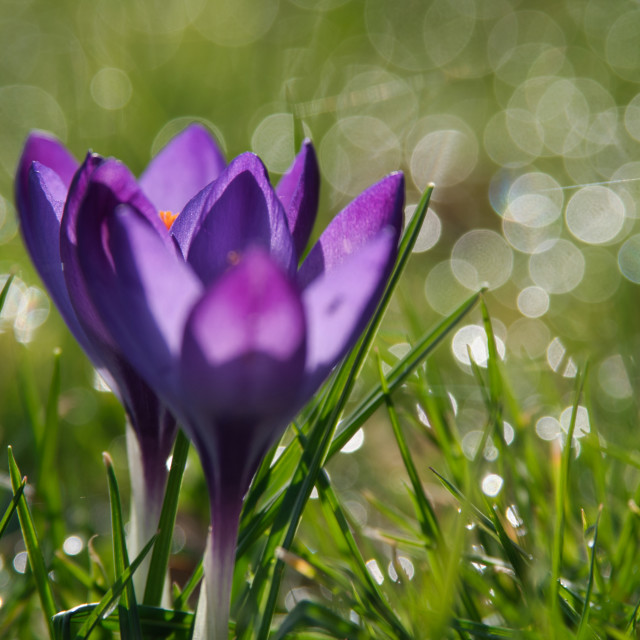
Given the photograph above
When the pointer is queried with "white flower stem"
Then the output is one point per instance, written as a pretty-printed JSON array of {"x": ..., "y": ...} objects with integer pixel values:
[
  {"x": 219, "y": 563},
  {"x": 146, "y": 505}
]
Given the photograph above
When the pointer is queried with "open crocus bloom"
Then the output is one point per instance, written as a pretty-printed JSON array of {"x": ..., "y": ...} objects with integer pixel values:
[
  {"x": 216, "y": 315},
  {"x": 45, "y": 173}
]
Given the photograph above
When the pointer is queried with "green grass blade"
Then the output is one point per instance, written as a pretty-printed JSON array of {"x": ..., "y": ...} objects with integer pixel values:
[
  {"x": 113, "y": 593},
  {"x": 311, "y": 614},
  {"x": 288, "y": 517},
  {"x": 48, "y": 485},
  {"x": 486, "y": 522},
  {"x": 516, "y": 559},
  {"x": 5, "y": 290},
  {"x": 195, "y": 579},
  {"x": 584, "y": 618},
  {"x": 128, "y": 609},
  {"x": 398, "y": 374},
  {"x": 561, "y": 495},
  {"x": 64, "y": 566},
  {"x": 12, "y": 506},
  {"x": 424, "y": 512},
  {"x": 29, "y": 397},
  {"x": 36, "y": 560},
  {"x": 162, "y": 549},
  {"x": 370, "y": 590}
]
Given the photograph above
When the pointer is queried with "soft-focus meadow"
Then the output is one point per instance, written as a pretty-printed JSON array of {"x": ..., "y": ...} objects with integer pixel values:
[{"x": 526, "y": 117}]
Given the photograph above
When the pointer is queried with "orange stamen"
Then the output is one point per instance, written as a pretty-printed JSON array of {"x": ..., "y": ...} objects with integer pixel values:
[{"x": 167, "y": 217}]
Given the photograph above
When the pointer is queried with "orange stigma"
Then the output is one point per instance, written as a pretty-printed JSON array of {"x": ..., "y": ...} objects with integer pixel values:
[
  {"x": 233, "y": 258},
  {"x": 167, "y": 217}
]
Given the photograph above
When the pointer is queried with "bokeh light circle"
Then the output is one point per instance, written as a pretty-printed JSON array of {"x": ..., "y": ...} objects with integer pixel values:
[
  {"x": 357, "y": 149},
  {"x": 559, "y": 269},
  {"x": 622, "y": 51},
  {"x": 395, "y": 30},
  {"x": 111, "y": 88},
  {"x": 595, "y": 214},
  {"x": 22, "y": 109},
  {"x": 444, "y": 157},
  {"x": 472, "y": 339},
  {"x": 233, "y": 23},
  {"x": 430, "y": 231},
  {"x": 528, "y": 338},
  {"x": 481, "y": 258},
  {"x": 273, "y": 141},
  {"x": 447, "y": 29},
  {"x": 632, "y": 117},
  {"x": 582, "y": 425},
  {"x": 548, "y": 428},
  {"x": 629, "y": 259},
  {"x": 533, "y": 302},
  {"x": 614, "y": 379},
  {"x": 442, "y": 289},
  {"x": 601, "y": 277}
]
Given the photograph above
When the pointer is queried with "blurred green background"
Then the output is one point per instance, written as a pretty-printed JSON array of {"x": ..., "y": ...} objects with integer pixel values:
[{"x": 526, "y": 116}]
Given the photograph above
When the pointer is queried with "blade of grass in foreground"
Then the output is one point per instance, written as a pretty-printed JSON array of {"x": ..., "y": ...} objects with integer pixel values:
[
  {"x": 561, "y": 496},
  {"x": 283, "y": 468},
  {"x": 310, "y": 614},
  {"x": 584, "y": 618},
  {"x": 92, "y": 614},
  {"x": 5, "y": 290},
  {"x": 12, "y": 506},
  {"x": 36, "y": 560},
  {"x": 424, "y": 510},
  {"x": 160, "y": 557},
  {"x": 398, "y": 374},
  {"x": 48, "y": 483},
  {"x": 128, "y": 609},
  {"x": 288, "y": 517}
]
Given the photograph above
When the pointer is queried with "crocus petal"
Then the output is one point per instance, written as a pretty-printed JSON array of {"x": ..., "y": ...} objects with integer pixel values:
[
  {"x": 244, "y": 343},
  {"x": 298, "y": 191},
  {"x": 341, "y": 302},
  {"x": 239, "y": 210},
  {"x": 185, "y": 166},
  {"x": 40, "y": 226},
  {"x": 141, "y": 288},
  {"x": 381, "y": 205},
  {"x": 97, "y": 189},
  {"x": 43, "y": 148}
]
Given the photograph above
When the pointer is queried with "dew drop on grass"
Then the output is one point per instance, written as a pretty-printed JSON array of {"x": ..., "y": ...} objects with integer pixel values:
[
  {"x": 582, "y": 426},
  {"x": 405, "y": 564},
  {"x": 555, "y": 353},
  {"x": 548, "y": 428},
  {"x": 20, "y": 562},
  {"x": 374, "y": 569},
  {"x": 508, "y": 433},
  {"x": 492, "y": 485},
  {"x": 354, "y": 443},
  {"x": 422, "y": 416},
  {"x": 473, "y": 339},
  {"x": 73, "y": 545}
]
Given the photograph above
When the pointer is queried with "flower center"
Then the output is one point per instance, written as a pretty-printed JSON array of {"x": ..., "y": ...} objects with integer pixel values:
[{"x": 168, "y": 218}]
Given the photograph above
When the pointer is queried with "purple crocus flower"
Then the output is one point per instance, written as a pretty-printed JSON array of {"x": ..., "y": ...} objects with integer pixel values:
[
  {"x": 46, "y": 173},
  {"x": 218, "y": 318}
]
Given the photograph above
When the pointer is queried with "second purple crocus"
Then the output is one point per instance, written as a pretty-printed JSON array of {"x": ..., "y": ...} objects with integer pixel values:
[{"x": 47, "y": 184}]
